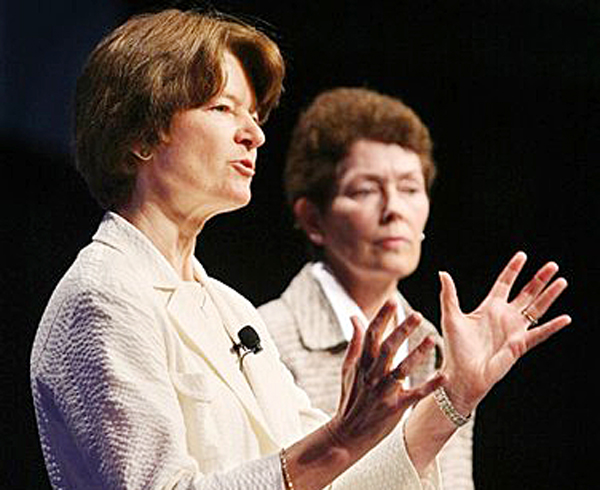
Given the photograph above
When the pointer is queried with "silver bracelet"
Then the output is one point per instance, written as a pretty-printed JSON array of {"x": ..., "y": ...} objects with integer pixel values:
[
  {"x": 287, "y": 481},
  {"x": 441, "y": 398}
]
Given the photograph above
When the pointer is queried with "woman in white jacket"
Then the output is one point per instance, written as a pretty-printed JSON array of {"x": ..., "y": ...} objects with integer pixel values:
[{"x": 137, "y": 374}]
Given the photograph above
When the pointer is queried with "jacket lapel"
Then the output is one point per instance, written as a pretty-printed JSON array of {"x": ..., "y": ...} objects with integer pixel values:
[
  {"x": 189, "y": 310},
  {"x": 263, "y": 371}
]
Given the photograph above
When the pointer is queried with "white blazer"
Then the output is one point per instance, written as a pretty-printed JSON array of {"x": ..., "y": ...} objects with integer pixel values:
[{"x": 135, "y": 383}]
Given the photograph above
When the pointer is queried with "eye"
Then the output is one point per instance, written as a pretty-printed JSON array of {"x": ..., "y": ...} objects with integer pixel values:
[
  {"x": 362, "y": 191},
  {"x": 411, "y": 187},
  {"x": 224, "y": 108}
]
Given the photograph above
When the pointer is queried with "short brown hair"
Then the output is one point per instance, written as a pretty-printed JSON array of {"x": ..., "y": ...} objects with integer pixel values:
[
  {"x": 145, "y": 71},
  {"x": 336, "y": 119}
]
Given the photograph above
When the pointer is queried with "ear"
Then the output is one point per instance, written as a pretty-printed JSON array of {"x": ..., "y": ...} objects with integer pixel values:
[
  {"x": 142, "y": 151},
  {"x": 310, "y": 220}
]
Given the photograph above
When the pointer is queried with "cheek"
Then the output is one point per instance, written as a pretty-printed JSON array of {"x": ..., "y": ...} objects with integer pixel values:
[
  {"x": 420, "y": 213},
  {"x": 352, "y": 231}
]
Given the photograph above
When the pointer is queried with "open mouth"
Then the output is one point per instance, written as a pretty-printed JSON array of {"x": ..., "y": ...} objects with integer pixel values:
[{"x": 244, "y": 167}]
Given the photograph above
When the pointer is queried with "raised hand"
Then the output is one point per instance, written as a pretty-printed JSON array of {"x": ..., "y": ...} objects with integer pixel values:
[
  {"x": 373, "y": 398},
  {"x": 482, "y": 346}
]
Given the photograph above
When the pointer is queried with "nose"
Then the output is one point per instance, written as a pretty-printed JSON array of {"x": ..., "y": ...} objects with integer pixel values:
[
  {"x": 250, "y": 134},
  {"x": 393, "y": 205}
]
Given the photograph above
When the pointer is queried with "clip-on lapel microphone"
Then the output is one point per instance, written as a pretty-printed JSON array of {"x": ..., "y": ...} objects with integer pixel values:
[{"x": 249, "y": 342}]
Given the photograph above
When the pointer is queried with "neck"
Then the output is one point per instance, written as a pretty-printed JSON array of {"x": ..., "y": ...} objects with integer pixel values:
[
  {"x": 175, "y": 238},
  {"x": 369, "y": 292}
]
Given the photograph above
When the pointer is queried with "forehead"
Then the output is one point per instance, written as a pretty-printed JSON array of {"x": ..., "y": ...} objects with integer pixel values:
[
  {"x": 368, "y": 157},
  {"x": 238, "y": 85}
]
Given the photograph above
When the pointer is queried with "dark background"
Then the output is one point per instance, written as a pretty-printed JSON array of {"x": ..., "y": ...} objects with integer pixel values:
[{"x": 510, "y": 91}]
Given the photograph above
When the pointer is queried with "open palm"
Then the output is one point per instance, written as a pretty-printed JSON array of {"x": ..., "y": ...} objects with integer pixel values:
[{"x": 482, "y": 346}]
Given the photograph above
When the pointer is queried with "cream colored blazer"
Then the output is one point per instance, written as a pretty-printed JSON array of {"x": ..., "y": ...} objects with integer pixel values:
[{"x": 136, "y": 385}]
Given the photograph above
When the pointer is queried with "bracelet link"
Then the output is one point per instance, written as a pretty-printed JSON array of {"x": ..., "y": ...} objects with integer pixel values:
[
  {"x": 287, "y": 481},
  {"x": 441, "y": 398}
]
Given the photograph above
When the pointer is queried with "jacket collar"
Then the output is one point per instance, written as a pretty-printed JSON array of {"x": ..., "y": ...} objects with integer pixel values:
[
  {"x": 318, "y": 326},
  {"x": 118, "y": 233}
]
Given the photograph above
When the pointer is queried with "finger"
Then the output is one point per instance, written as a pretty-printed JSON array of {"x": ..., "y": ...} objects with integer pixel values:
[
  {"x": 349, "y": 365},
  {"x": 542, "y": 333},
  {"x": 392, "y": 343},
  {"x": 507, "y": 277},
  {"x": 543, "y": 302},
  {"x": 355, "y": 346},
  {"x": 416, "y": 357},
  {"x": 505, "y": 359},
  {"x": 534, "y": 287},
  {"x": 413, "y": 395},
  {"x": 448, "y": 296},
  {"x": 374, "y": 334}
]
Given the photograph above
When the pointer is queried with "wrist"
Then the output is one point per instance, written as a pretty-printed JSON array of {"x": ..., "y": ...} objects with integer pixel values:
[
  {"x": 337, "y": 440},
  {"x": 315, "y": 461},
  {"x": 459, "y": 394},
  {"x": 458, "y": 417}
]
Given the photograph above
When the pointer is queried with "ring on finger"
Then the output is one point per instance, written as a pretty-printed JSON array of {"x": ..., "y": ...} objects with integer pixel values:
[
  {"x": 533, "y": 321},
  {"x": 399, "y": 376}
]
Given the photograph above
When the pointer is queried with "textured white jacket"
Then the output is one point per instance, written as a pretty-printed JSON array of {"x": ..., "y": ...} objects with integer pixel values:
[
  {"x": 135, "y": 384},
  {"x": 311, "y": 343}
]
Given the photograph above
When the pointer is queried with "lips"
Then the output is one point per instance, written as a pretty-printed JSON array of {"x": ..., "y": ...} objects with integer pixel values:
[
  {"x": 244, "y": 167},
  {"x": 393, "y": 241}
]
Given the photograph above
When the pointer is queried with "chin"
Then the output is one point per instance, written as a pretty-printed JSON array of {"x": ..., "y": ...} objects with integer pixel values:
[
  {"x": 245, "y": 200},
  {"x": 402, "y": 269},
  {"x": 239, "y": 199}
]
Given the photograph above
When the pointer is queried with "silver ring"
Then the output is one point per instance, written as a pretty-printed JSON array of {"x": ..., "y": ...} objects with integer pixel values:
[{"x": 530, "y": 318}]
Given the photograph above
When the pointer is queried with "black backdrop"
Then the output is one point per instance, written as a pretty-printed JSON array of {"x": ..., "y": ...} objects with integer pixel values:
[{"x": 510, "y": 91}]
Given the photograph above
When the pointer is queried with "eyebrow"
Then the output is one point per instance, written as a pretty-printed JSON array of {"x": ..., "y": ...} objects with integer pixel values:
[
  {"x": 237, "y": 101},
  {"x": 411, "y": 174}
]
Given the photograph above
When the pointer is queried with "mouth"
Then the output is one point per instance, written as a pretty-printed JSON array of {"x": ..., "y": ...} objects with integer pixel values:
[
  {"x": 245, "y": 167},
  {"x": 393, "y": 242}
]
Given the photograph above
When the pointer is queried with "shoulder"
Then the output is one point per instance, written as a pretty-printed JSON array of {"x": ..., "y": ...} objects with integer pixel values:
[
  {"x": 98, "y": 300},
  {"x": 105, "y": 277},
  {"x": 276, "y": 314},
  {"x": 283, "y": 313}
]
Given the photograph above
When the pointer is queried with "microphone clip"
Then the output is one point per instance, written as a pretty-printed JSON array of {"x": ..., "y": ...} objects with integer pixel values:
[{"x": 249, "y": 342}]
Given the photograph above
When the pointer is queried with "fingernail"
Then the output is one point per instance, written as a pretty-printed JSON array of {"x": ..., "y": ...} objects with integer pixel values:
[{"x": 416, "y": 316}]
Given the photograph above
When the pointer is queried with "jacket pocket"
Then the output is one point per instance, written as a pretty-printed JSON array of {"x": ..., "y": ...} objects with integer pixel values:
[
  {"x": 205, "y": 419},
  {"x": 196, "y": 386}
]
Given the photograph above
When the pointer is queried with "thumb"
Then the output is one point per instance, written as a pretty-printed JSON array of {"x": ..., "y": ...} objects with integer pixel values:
[{"x": 448, "y": 297}]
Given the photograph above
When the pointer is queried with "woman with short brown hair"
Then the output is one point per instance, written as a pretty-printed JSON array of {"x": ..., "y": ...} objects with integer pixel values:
[
  {"x": 335, "y": 119},
  {"x": 145, "y": 71}
]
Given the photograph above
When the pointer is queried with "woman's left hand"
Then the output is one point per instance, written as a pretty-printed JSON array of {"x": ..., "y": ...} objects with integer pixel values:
[{"x": 482, "y": 346}]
